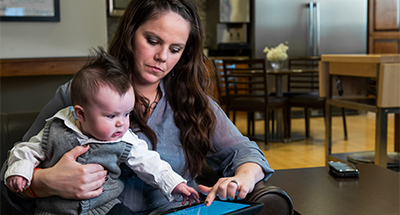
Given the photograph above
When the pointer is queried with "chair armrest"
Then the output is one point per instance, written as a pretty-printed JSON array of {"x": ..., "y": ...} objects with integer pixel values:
[{"x": 276, "y": 201}]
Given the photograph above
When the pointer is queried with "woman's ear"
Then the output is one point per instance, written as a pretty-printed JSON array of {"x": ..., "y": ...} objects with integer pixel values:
[{"x": 79, "y": 113}]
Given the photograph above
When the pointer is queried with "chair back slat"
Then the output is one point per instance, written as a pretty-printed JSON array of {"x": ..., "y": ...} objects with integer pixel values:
[
  {"x": 219, "y": 73},
  {"x": 247, "y": 79},
  {"x": 303, "y": 82}
]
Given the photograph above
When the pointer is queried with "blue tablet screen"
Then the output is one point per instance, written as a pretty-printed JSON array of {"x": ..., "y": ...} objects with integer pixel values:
[{"x": 216, "y": 208}]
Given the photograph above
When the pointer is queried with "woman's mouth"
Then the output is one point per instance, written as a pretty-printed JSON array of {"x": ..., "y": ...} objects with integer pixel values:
[{"x": 155, "y": 69}]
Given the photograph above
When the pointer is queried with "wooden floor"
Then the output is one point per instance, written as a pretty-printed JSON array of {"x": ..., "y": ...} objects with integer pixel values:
[{"x": 310, "y": 152}]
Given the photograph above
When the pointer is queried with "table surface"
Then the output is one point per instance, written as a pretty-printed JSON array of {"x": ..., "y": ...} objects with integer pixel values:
[
  {"x": 315, "y": 191},
  {"x": 362, "y": 58}
]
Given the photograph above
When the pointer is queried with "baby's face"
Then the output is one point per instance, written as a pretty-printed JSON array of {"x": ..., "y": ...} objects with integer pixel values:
[{"x": 107, "y": 114}]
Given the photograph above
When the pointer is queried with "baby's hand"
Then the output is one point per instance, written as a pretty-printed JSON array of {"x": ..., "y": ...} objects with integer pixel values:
[
  {"x": 16, "y": 183},
  {"x": 186, "y": 192}
]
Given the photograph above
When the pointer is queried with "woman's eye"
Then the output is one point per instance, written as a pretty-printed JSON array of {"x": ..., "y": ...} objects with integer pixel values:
[
  {"x": 175, "y": 50},
  {"x": 151, "y": 41}
]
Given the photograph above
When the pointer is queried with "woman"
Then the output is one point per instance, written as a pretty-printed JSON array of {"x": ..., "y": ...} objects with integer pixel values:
[{"x": 160, "y": 43}]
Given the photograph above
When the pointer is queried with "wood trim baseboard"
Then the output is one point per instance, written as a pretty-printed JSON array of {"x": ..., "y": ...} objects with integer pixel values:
[{"x": 41, "y": 66}]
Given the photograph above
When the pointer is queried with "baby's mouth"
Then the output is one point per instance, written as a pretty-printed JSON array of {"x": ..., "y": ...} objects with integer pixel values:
[{"x": 117, "y": 134}]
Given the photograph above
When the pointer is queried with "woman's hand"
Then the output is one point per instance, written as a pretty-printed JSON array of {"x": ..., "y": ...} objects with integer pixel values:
[
  {"x": 69, "y": 179},
  {"x": 238, "y": 186},
  {"x": 228, "y": 188}
]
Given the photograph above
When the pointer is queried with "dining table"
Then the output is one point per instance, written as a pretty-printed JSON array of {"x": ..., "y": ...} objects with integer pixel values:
[
  {"x": 385, "y": 69},
  {"x": 278, "y": 135}
]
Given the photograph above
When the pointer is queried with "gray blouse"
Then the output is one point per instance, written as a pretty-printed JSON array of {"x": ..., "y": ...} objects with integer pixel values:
[{"x": 232, "y": 149}]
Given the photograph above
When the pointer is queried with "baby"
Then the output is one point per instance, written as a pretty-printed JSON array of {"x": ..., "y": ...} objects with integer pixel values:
[{"x": 102, "y": 97}]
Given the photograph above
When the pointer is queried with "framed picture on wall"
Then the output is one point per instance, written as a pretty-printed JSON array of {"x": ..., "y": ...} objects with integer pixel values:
[{"x": 30, "y": 11}]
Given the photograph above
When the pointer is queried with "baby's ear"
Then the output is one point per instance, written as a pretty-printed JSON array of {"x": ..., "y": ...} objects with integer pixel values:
[{"x": 79, "y": 113}]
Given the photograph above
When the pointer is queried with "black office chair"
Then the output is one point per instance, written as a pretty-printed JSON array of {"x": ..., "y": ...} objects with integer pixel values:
[
  {"x": 303, "y": 89},
  {"x": 246, "y": 90}
]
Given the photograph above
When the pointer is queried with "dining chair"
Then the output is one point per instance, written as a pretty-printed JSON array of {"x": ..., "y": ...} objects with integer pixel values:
[
  {"x": 221, "y": 91},
  {"x": 303, "y": 90},
  {"x": 221, "y": 98},
  {"x": 247, "y": 90}
]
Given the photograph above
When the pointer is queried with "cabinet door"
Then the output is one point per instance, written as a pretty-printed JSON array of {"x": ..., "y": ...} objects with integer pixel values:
[
  {"x": 384, "y": 26},
  {"x": 386, "y": 15}
]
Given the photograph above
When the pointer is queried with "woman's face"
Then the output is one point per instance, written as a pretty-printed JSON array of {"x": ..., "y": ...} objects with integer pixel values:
[{"x": 158, "y": 46}]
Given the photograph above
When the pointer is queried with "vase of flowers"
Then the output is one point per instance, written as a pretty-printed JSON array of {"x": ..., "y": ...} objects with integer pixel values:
[{"x": 277, "y": 55}]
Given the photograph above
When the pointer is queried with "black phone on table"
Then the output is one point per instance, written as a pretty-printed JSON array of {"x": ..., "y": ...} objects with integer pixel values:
[{"x": 343, "y": 169}]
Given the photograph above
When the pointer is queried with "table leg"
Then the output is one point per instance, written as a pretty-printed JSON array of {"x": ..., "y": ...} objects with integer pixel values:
[
  {"x": 397, "y": 132},
  {"x": 381, "y": 138},
  {"x": 328, "y": 132},
  {"x": 278, "y": 86},
  {"x": 279, "y": 125},
  {"x": 279, "y": 113}
]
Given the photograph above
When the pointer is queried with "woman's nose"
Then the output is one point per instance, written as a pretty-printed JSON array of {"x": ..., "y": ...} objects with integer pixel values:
[{"x": 162, "y": 55}]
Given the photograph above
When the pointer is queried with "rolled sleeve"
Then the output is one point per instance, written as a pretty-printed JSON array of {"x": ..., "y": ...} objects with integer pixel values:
[
  {"x": 17, "y": 202},
  {"x": 23, "y": 168},
  {"x": 168, "y": 183}
]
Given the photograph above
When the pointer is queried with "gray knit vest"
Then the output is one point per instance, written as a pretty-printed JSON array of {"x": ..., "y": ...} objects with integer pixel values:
[{"x": 59, "y": 139}]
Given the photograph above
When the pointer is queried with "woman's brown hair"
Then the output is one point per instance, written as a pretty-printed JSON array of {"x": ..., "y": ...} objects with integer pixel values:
[{"x": 187, "y": 87}]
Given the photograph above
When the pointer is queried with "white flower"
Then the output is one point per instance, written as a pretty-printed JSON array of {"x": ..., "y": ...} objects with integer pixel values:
[{"x": 278, "y": 53}]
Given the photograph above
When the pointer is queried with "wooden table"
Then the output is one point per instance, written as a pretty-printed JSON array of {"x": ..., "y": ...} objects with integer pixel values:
[
  {"x": 386, "y": 70},
  {"x": 315, "y": 191},
  {"x": 279, "y": 93}
]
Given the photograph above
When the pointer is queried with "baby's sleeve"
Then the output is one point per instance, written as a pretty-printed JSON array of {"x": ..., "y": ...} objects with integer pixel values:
[
  {"x": 24, "y": 157},
  {"x": 152, "y": 169}
]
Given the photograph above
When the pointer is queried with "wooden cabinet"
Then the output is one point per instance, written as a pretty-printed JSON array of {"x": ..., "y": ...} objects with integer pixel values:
[
  {"x": 383, "y": 26},
  {"x": 41, "y": 66}
]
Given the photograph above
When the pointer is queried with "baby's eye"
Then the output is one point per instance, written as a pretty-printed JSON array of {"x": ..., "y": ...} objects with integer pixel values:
[
  {"x": 110, "y": 116},
  {"x": 127, "y": 114}
]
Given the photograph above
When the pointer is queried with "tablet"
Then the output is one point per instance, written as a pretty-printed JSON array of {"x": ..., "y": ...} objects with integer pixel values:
[{"x": 218, "y": 208}]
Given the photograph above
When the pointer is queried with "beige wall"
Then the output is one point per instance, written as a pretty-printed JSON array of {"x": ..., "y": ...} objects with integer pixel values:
[{"x": 82, "y": 25}]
